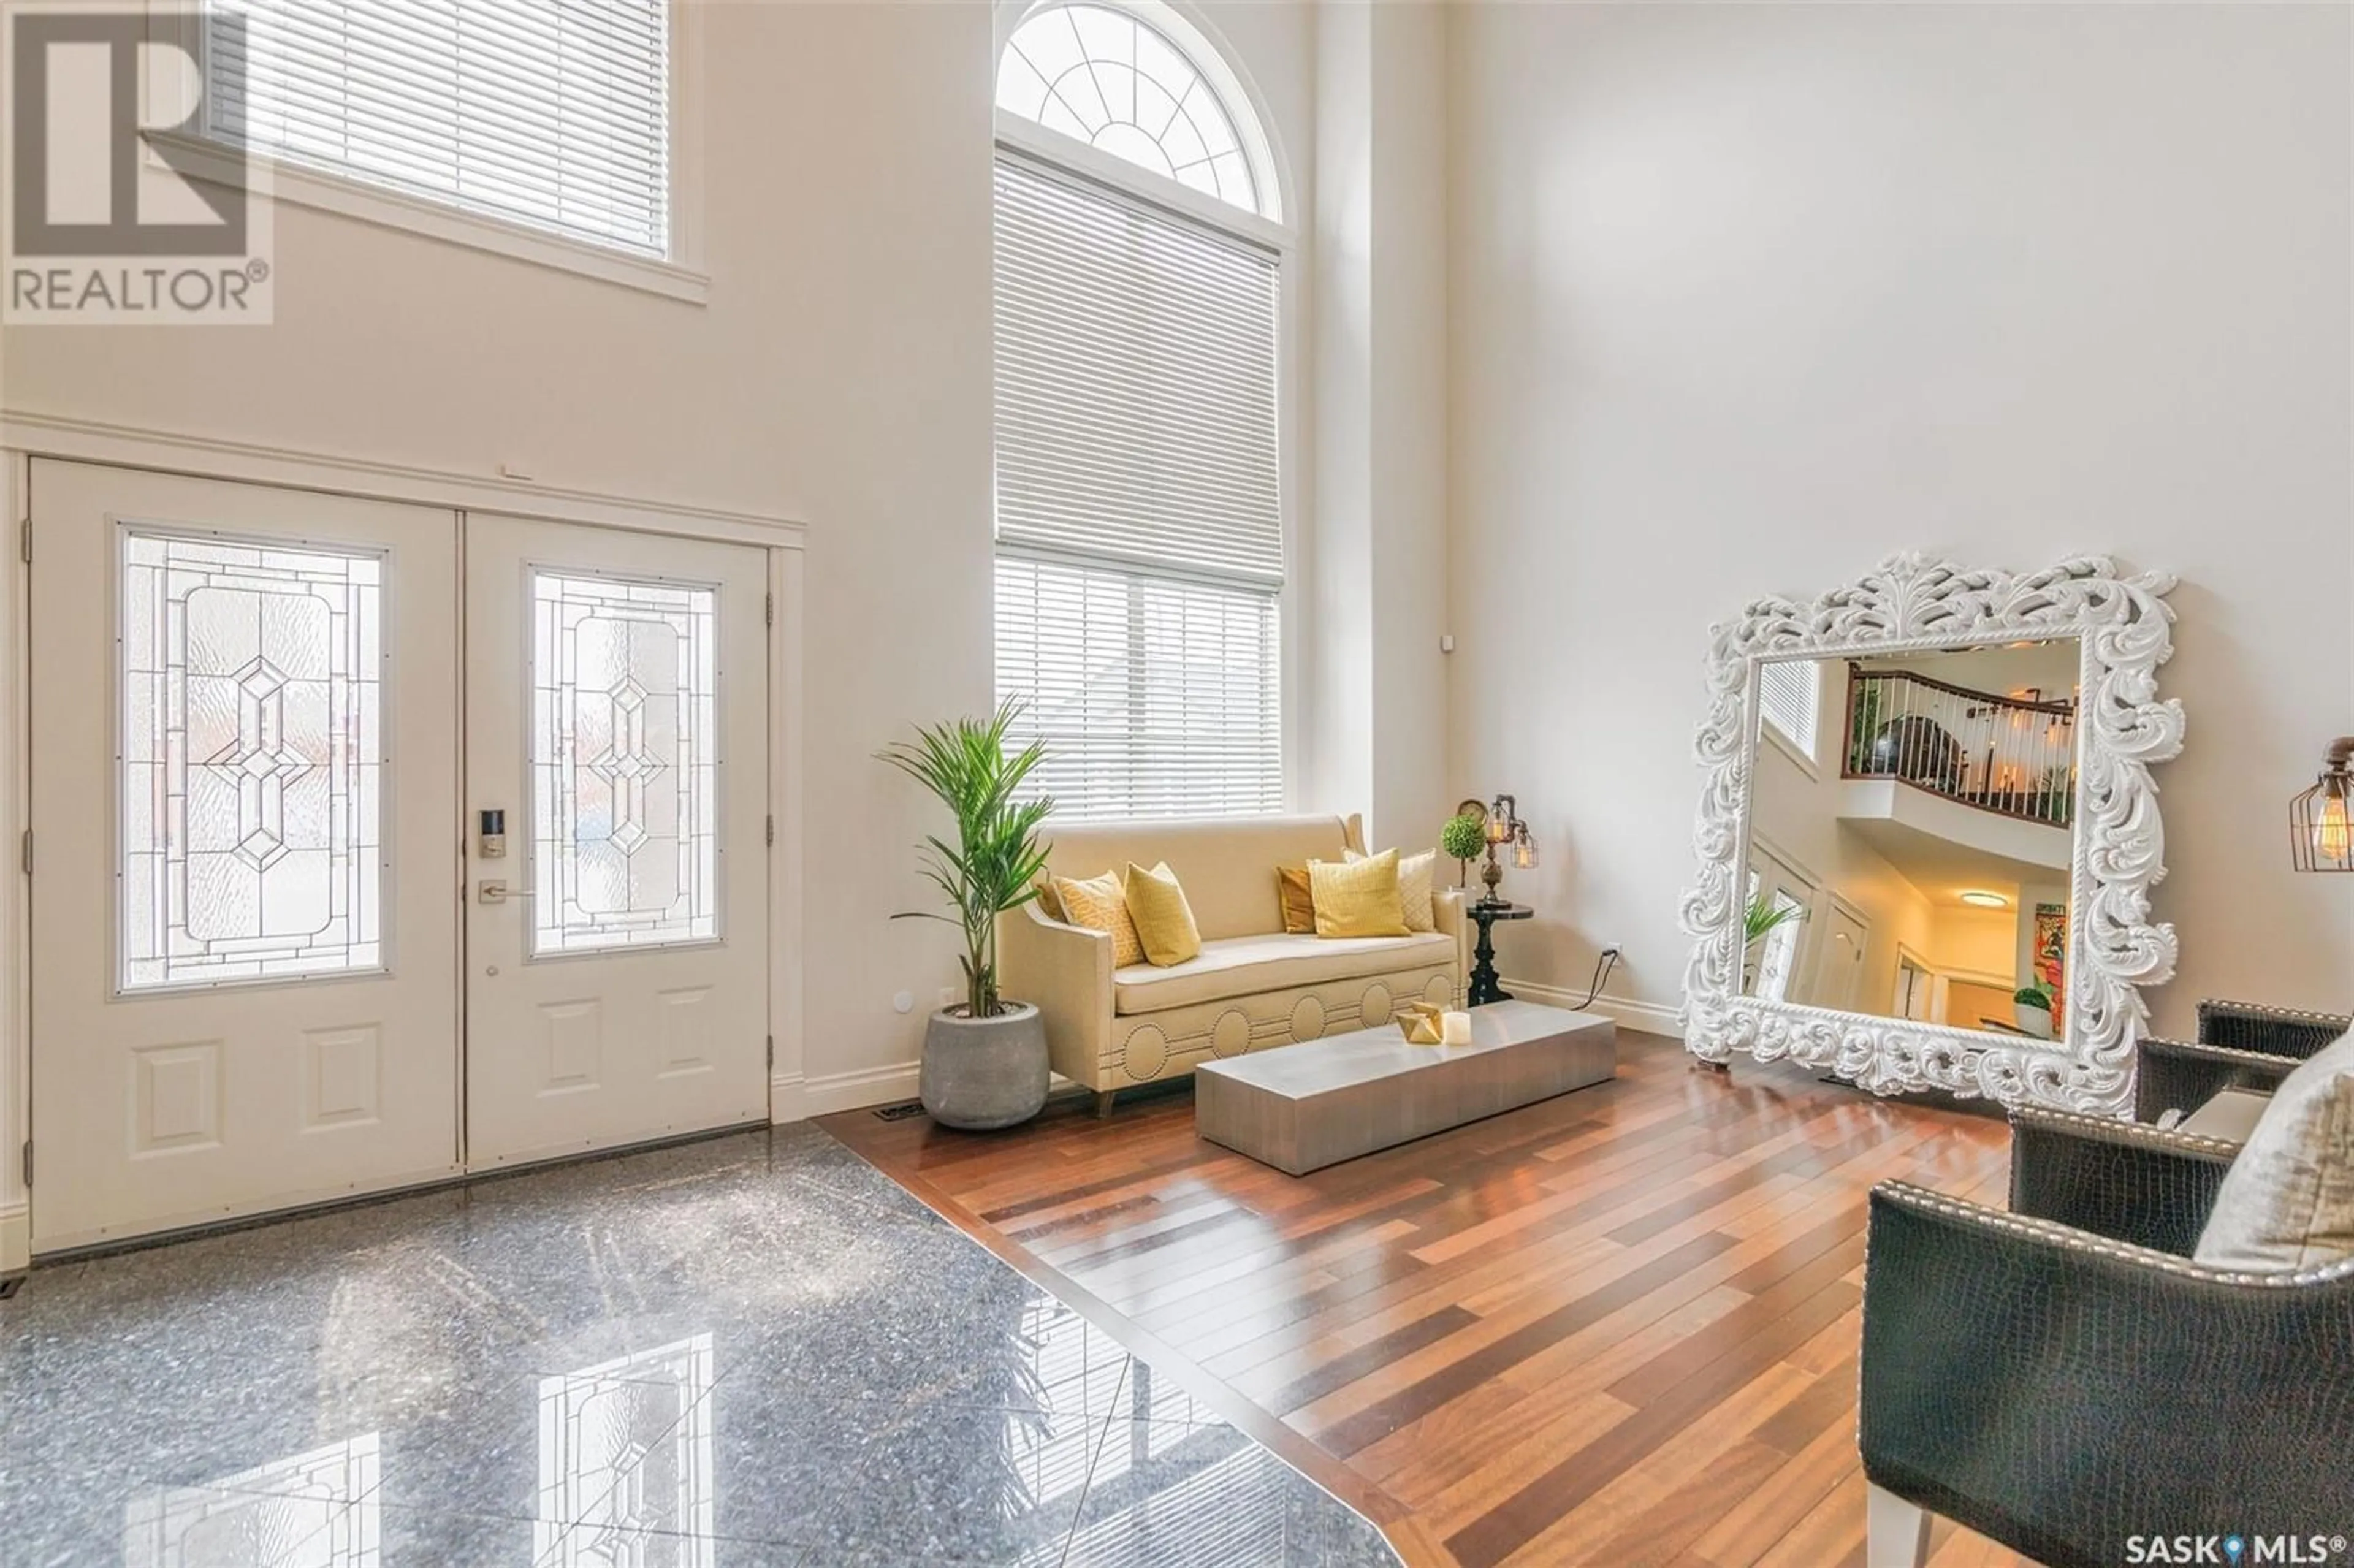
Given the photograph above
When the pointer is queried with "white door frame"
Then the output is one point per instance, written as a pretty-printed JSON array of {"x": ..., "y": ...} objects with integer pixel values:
[{"x": 24, "y": 436}]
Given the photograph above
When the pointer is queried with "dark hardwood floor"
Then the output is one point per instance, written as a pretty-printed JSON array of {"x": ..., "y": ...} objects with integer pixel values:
[{"x": 1616, "y": 1328}]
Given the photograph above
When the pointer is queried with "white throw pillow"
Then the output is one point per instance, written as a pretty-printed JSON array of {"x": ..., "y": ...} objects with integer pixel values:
[
  {"x": 2287, "y": 1203},
  {"x": 1415, "y": 874}
]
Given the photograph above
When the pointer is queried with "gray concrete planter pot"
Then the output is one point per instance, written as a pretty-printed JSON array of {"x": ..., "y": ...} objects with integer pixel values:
[{"x": 984, "y": 1073}]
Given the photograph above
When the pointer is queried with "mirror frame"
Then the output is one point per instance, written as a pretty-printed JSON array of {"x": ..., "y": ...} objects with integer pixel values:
[{"x": 1909, "y": 603}]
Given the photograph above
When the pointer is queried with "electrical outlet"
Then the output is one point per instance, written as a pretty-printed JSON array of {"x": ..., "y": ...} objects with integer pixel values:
[{"x": 1614, "y": 951}]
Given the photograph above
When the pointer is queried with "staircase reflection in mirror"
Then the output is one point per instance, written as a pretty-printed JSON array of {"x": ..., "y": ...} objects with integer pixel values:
[{"x": 1911, "y": 834}]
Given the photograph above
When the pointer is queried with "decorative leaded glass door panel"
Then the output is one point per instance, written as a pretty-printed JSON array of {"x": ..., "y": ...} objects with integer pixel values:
[
  {"x": 617, "y": 733},
  {"x": 244, "y": 778}
]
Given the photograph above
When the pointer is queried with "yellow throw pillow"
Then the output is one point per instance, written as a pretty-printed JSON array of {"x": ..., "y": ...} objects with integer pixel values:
[
  {"x": 1164, "y": 921},
  {"x": 1415, "y": 874},
  {"x": 1298, "y": 903},
  {"x": 1101, "y": 906},
  {"x": 1050, "y": 903},
  {"x": 1357, "y": 897}
]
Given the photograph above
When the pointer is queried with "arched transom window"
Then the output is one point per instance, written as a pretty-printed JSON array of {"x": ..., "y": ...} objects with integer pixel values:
[{"x": 1111, "y": 80}]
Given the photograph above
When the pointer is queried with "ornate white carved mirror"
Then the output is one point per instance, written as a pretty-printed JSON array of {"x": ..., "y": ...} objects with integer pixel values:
[{"x": 1927, "y": 831}]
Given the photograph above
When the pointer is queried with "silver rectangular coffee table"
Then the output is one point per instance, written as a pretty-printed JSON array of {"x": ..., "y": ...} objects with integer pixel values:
[{"x": 1302, "y": 1108}]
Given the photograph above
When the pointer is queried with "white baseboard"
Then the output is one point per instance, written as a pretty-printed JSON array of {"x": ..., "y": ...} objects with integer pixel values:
[
  {"x": 794, "y": 1097},
  {"x": 1637, "y": 1017},
  {"x": 15, "y": 1238}
]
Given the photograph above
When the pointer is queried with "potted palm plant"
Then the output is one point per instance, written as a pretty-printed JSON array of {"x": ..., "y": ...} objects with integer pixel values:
[
  {"x": 985, "y": 1058},
  {"x": 1762, "y": 917}
]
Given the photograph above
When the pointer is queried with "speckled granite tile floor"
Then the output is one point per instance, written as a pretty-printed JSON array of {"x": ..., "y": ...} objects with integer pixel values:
[{"x": 747, "y": 1351}]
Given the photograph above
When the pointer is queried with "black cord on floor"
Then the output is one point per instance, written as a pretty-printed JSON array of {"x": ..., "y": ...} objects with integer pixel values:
[{"x": 1602, "y": 968}]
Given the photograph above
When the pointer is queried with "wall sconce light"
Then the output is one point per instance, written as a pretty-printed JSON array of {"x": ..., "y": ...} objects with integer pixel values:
[{"x": 2321, "y": 820}]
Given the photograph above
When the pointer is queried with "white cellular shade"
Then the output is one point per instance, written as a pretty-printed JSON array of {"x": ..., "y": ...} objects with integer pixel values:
[
  {"x": 1136, "y": 384},
  {"x": 1789, "y": 693},
  {"x": 551, "y": 113},
  {"x": 1156, "y": 696}
]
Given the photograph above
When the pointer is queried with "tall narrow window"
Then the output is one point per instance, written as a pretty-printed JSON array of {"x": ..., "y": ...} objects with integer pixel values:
[
  {"x": 252, "y": 761},
  {"x": 1789, "y": 693},
  {"x": 553, "y": 113},
  {"x": 624, "y": 764},
  {"x": 1140, "y": 536}
]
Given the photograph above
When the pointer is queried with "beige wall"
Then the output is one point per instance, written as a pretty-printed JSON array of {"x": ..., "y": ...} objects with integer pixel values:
[
  {"x": 1982, "y": 941},
  {"x": 1374, "y": 686},
  {"x": 1966, "y": 1004},
  {"x": 1745, "y": 297},
  {"x": 840, "y": 376}
]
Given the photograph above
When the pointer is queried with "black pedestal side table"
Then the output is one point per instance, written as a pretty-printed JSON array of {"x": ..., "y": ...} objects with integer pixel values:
[{"x": 1484, "y": 985}]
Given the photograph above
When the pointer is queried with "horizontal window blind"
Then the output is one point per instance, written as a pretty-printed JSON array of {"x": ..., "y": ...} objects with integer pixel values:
[
  {"x": 1789, "y": 691},
  {"x": 1136, "y": 383},
  {"x": 551, "y": 113},
  {"x": 1156, "y": 696}
]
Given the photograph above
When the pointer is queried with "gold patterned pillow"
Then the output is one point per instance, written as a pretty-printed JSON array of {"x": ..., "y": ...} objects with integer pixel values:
[
  {"x": 1357, "y": 897},
  {"x": 1416, "y": 872},
  {"x": 1100, "y": 904}
]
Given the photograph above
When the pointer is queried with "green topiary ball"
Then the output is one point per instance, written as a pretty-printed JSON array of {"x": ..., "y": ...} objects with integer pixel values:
[{"x": 1463, "y": 837}]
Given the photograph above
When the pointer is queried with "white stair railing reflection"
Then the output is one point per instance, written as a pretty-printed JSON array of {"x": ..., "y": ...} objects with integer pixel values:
[{"x": 2014, "y": 754}]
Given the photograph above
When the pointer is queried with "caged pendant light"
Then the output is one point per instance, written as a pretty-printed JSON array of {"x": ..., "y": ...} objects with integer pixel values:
[{"x": 2321, "y": 820}]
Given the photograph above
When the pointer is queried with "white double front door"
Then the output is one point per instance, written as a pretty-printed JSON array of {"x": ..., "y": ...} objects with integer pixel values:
[{"x": 276, "y": 738}]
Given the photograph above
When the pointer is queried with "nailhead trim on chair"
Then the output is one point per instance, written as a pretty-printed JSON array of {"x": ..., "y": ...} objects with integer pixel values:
[
  {"x": 2262, "y": 1010},
  {"x": 2075, "y": 1240}
]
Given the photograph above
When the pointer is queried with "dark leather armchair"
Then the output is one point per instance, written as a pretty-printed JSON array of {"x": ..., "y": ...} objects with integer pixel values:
[
  {"x": 2061, "y": 1378},
  {"x": 2274, "y": 1030},
  {"x": 2240, "y": 1046}
]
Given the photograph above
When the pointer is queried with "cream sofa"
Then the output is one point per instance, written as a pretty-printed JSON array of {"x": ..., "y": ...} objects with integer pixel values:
[{"x": 1252, "y": 987}]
